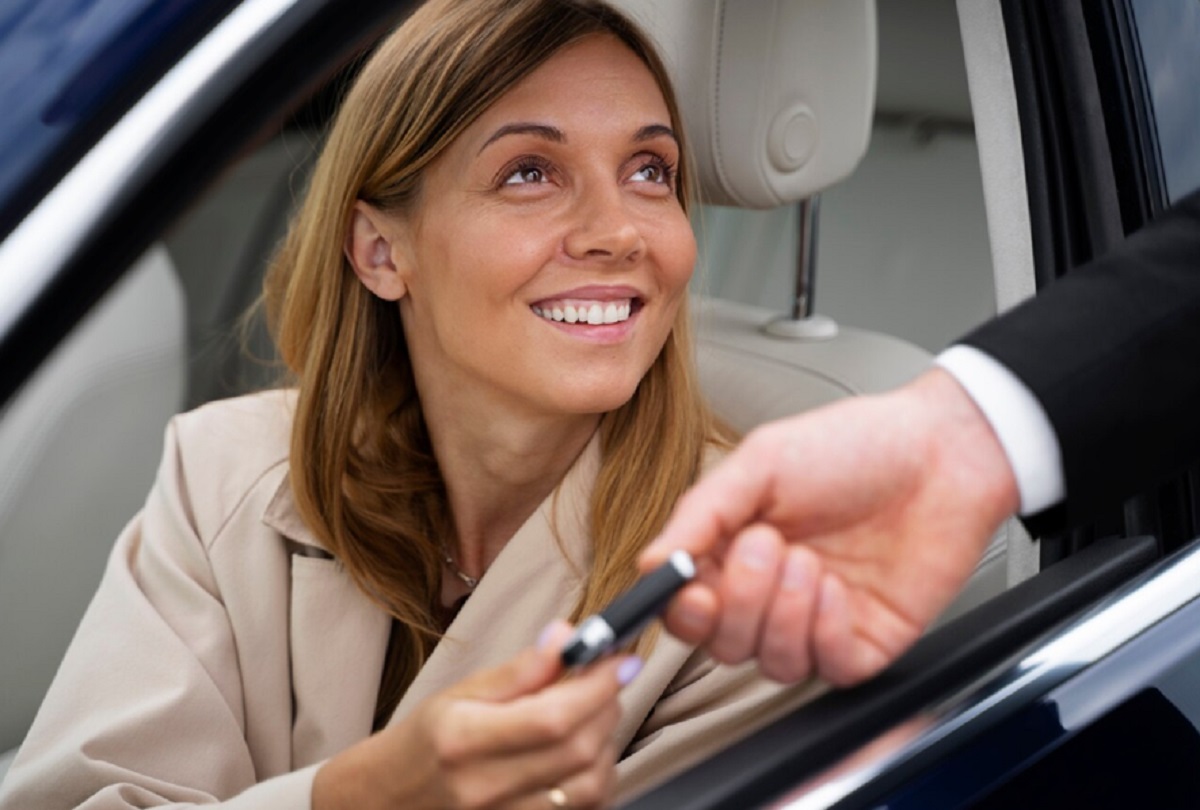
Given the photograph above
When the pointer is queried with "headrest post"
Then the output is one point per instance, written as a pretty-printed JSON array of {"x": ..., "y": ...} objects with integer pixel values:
[
  {"x": 806, "y": 257},
  {"x": 803, "y": 323}
]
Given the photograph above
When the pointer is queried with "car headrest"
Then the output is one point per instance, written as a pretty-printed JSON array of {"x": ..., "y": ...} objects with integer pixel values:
[{"x": 777, "y": 95}]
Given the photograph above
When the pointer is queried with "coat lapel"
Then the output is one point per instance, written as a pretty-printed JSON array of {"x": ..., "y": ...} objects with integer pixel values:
[
  {"x": 537, "y": 577},
  {"x": 338, "y": 639}
]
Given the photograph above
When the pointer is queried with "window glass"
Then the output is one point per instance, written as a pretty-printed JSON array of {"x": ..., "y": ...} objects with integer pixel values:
[{"x": 1169, "y": 33}]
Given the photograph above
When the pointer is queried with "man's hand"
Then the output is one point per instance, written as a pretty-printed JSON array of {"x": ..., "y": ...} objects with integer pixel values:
[{"x": 828, "y": 541}]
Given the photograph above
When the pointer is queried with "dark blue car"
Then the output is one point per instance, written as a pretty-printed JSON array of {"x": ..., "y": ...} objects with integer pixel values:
[{"x": 150, "y": 152}]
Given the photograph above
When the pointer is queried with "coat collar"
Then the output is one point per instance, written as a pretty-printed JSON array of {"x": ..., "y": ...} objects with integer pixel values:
[
  {"x": 283, "y": 516},
  {"x": 539, "y": 574}
]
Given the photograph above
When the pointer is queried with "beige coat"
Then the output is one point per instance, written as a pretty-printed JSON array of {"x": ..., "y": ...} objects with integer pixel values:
[{"x": 220, "y": 663}]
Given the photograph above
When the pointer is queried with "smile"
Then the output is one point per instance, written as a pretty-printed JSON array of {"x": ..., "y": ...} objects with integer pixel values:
[{"x": 582, "y": 311}]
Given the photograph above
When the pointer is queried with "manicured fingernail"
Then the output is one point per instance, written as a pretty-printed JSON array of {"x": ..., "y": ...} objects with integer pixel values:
[
  {"x": 795, "y": 574},
  {"x": 545, "y": 636},
  {"x": 628, "y": 670}
]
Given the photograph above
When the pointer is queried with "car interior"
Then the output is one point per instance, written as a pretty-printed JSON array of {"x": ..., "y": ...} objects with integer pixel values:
[{"x": 845, "y": 239}]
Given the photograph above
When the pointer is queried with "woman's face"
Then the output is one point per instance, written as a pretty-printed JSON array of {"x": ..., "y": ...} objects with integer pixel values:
[{"x": 548, "y": 254}]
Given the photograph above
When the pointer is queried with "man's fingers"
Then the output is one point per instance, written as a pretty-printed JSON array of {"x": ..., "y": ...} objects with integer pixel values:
[
  {"x": 726, "y": 499},
  {"x": 841, "y": 655},
  {"x": 784, "y": 649},
  {"x": 751, "y": 577},
  {"x": 833, "y": 639},
  {"x": 692, "y": 615}
]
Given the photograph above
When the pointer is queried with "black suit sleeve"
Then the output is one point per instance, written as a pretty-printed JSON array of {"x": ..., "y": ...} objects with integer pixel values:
[{"x": 1112, "y": 352}]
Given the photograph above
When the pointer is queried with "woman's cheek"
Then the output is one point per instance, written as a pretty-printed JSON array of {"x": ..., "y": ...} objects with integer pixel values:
[{"x": 683, "y": 257}]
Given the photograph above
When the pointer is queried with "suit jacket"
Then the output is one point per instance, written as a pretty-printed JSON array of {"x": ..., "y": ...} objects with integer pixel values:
[
  {"x": 1112, "y": 352},
  {"x": 219, "y": 662}
]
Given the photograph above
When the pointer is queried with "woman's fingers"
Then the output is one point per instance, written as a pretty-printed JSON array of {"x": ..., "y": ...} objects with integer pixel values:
[
  {"x": 540, "y": 719},
  {"x": 590, "y": 788},
  {"x": 497, "y": 738},
  {"x": 494, "y": 753},
  {"x": 582, "y": 764},
  {"x": 526, "y": 673}
]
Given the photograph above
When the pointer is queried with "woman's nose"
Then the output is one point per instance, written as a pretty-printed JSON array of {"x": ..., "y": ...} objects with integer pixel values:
[{"x": 604, "y": 230}]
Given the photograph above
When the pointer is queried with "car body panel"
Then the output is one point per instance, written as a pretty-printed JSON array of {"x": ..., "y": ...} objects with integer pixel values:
[{"x": 89, "y": 56}]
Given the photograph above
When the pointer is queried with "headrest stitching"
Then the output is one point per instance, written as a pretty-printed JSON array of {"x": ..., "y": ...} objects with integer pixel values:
[{"x": 714, "y": 122}]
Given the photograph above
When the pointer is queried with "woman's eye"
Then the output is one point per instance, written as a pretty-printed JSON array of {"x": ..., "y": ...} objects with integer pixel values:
[
  {"x": 653, "y": 173},
  {"x": 649, "y": 174},
  {"x": 525, "y": 175}
]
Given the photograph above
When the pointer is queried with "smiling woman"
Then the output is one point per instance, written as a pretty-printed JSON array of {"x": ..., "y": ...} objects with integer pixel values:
[
  {"x": 336, "y": 588},
  {"x": 542, "y": 204}
]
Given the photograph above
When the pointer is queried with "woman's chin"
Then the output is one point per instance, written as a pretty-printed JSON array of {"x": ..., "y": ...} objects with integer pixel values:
[{"x": 599, "y": 401}]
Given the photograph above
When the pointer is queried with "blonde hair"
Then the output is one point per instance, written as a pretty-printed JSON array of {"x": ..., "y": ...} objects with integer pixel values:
[{"x": 362, "y": 466}]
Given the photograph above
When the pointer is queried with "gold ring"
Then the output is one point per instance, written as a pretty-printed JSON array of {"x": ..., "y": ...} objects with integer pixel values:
[{"x": 557, "y": 797}]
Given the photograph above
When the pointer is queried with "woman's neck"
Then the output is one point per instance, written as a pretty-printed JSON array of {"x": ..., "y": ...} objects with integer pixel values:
[{"x": 497, "y": 472}]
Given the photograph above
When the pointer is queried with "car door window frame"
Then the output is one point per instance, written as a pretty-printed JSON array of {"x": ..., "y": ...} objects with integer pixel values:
[{"x": 248, "y": 95}]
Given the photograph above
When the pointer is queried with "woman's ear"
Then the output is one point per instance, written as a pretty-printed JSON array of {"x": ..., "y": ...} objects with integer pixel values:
[{"x": 371, "y": 249}]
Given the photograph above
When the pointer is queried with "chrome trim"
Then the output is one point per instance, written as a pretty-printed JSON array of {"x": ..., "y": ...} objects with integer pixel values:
[
  {"x": 1113, "y": 621},
  {"x": 45, "y": 240}
]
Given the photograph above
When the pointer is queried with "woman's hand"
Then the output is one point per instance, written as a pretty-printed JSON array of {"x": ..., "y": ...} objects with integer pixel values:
[{"x": 504, "y": 738}]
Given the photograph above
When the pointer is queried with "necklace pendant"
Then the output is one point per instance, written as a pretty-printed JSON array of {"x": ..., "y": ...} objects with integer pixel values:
[{"x": 466, "y": 578}]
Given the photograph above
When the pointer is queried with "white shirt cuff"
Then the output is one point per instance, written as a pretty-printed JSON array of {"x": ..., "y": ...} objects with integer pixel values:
[{"x": 1018, "y": 420}]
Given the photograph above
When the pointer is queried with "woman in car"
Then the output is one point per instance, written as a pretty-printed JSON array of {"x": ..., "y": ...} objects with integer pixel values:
[{"x": 333, "y": 592}]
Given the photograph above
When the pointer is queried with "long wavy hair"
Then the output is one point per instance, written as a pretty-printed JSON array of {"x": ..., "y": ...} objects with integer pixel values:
[{"x": 362, "y": 466}]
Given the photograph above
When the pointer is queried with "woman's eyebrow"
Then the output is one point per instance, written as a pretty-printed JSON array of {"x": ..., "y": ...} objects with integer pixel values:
[
  {"x": 522, "y": 128},
  {"x": 653, "y": 131},
  {"x": 556, "y": 135}
]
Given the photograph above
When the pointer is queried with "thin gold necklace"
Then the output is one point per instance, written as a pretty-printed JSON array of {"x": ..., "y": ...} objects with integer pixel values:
[{"x": 466, "y": 578}]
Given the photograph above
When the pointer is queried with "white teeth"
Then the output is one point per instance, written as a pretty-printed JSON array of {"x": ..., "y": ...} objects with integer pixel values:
[{"x": 596, "y": 313}]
